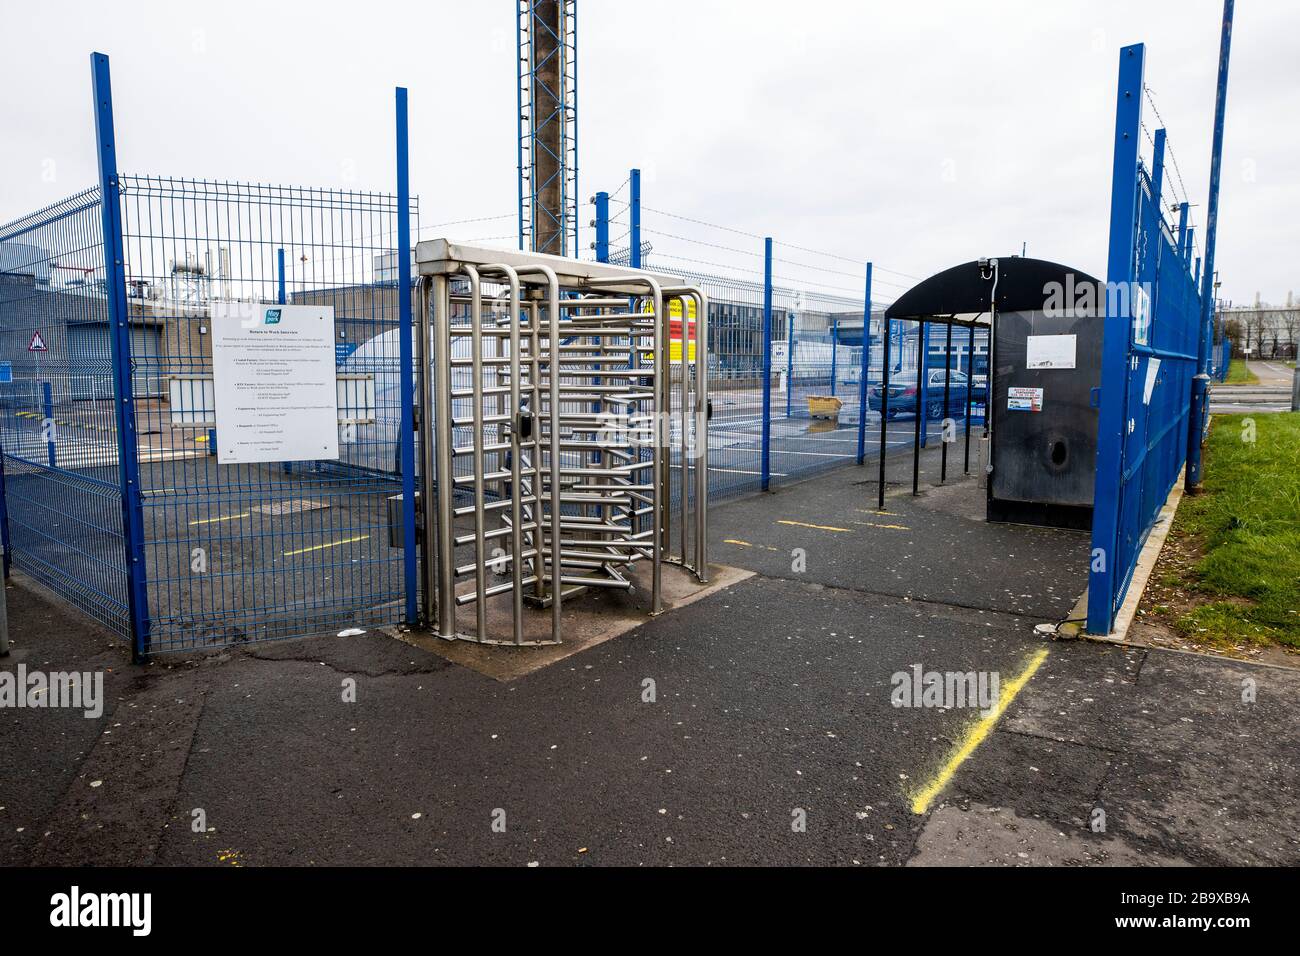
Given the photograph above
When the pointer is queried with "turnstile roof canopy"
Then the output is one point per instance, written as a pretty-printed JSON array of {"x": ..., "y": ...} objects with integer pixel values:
[{"x": 441, "y": 256}]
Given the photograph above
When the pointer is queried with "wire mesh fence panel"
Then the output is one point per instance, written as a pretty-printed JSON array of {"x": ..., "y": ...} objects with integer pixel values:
[
  {"x": 262, "y": 549},
  {"x": 735, "y": 359},
  {"x": 816, "y": 371},
  {"x": 57, "y": 427}
]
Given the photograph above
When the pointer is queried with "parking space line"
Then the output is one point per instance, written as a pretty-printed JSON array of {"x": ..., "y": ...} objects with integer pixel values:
[
  {"x": 818, "y": 527},
  {"x": 243, "y": 514},
  {"x": 331, "y": 544},
  {"x": 975, "y": 735},
  {"x": 891, "y": 527}
]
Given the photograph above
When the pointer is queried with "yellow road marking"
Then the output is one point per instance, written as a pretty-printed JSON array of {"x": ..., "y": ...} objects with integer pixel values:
[
  {"x": 819, "y": 527},
  {"x": 892, "y": 527},
  {"x": 332, "y": 544},
  {"x": 975, "y": 736},
  {"x": 244, "y": 514},
  {"x": 746, "y": 544},
  {"x": 873, "y": 511}
]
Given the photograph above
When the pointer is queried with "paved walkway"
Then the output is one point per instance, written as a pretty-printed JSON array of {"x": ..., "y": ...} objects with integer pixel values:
[
  {"x": 772, "y": 738},
  {"x": 1272, "y": 393}
]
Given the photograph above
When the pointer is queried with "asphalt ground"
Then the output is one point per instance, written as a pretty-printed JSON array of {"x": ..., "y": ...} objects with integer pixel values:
[{"x": 772, "y": 705}]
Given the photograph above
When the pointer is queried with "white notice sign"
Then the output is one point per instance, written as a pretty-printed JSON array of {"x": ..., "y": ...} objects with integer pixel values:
[
  {"x": 1050, "y": 351},
  {"x": 276, "y": 387}
]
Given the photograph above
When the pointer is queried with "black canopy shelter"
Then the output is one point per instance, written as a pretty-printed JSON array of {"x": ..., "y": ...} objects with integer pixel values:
[{"x": 970, "y": 295}]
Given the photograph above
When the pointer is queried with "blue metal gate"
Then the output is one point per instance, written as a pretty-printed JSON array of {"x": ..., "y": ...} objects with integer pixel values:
[{"x": 1152, "y": 331}]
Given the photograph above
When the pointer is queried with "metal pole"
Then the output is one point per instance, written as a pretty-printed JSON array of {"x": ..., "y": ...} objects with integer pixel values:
[
  {"x": 428, "y": 492},
  {"x": 120, "y": 348},
  {"x": 947, "y": 375},
  {"x": 703, "y": 410},
  {"x": 1158, "y": 166},
  {"x": 1201, "y": 383},
  {"x": 922, "y": 337},
  {"x": 866, "y": 364},
  {"x": 476, "y": 414},
  {"x": 406, "y": 427},
  {"x": 4, "y": 608},
  {"x": 6, "y": 546},
  {"x": 923, "y": 381},
  {"x": 48, "y": 425},
  {"x": 766, "y": 468},
  {"x": 789, "y": 363},
  {"x": 634, "y": 218},
  {"x": 884, "y": 405},
  {"x": 835, "y": 328},
  {"x": 970, "y": 379},
  {"x": 1183, "y": 210},
  {"x": 602, "y": 227},
  {"x": 279, "y": 253},
  {"x": 440, "y": 345}
]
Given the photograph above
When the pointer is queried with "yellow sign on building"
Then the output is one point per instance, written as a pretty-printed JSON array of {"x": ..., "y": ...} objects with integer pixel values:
[{"x": 675, "y": 332}]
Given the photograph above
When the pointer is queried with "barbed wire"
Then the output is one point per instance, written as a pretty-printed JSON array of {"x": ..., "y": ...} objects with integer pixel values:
[{"x": 1169, "y": 146}]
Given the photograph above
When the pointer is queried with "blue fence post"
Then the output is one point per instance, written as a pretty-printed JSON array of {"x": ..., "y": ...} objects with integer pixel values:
[
  {"x": 1201, "y": 383},
  {"x": 835, "y": 342},
  {"x": 634, "y": 221},
  {"x": 120, "y": 348},
  {"x": 281, "y": 297},
  {"x": 1103, "y": 568},
  {"x": 405, "y": 323},
  {"x": 280, "y": 294},
  {"x": 1183, "y": 210},
  {"x": 602, "y": 227},
  {"x": 1158, "y": 165},
  {"x": 789, "y": 362},
  {"x": 766, "y": 469},
  {"x": 866, "y": 364},
  {"x": 47, "y": 413},
  {"x": 7, "y": 547}
]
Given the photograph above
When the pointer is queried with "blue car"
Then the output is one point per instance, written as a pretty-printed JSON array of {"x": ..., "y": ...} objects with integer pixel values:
[{"x": 903, "y": 395}]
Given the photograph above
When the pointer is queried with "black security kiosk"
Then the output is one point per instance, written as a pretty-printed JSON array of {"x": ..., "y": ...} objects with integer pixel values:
[{"x": 1045, "y": 326}]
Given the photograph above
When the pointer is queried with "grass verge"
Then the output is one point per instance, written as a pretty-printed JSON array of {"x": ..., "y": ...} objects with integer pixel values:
[
  {"x": 1238, "y": 374},
  {"x": 1244, "y": 529}
]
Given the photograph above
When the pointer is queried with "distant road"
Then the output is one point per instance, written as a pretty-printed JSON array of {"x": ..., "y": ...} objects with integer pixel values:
[{"x": 1272, "y": 393}]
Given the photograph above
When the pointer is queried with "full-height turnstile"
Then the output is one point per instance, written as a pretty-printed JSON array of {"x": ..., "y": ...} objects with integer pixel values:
[{"x": 552, "y": 434}]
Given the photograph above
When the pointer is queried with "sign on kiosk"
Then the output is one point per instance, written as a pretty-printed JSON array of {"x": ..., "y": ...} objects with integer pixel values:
[{"x": 275, "y": 382}]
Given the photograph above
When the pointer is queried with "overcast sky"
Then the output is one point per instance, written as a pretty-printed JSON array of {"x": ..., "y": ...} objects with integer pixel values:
[{"x": 917, "y": 134}]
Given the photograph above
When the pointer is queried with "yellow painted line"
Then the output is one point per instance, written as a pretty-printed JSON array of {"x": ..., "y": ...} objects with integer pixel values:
[
  {"x": 873, "y": 511},
  {"x": 975, "y": 736},
  {"x": 332, "y": 544},
  {"x": 819, "y": 527},
  {"x": 746, "y": 544},
  {"x": 244, "y": 514},
  {"x": 891, "y": 527}
]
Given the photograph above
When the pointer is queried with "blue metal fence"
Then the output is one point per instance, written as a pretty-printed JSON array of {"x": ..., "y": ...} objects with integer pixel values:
[
  {"x": 1152, "y": 329},
  {"x": 797, "y": 359},
  {"x": 58, "y": 429},
  {"x": 113, "y": 494}
]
